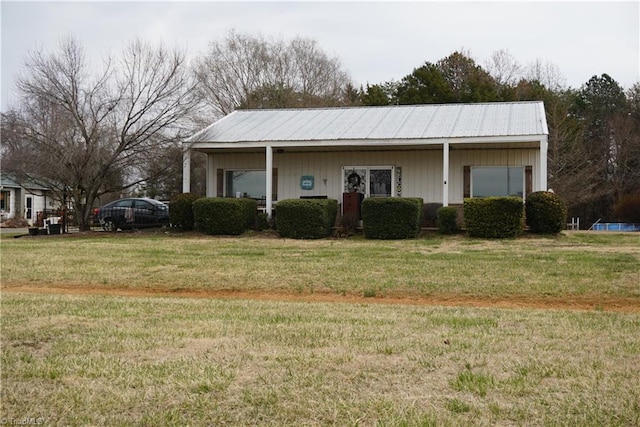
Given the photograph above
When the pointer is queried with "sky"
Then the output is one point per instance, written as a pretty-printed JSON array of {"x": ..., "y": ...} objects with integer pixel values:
[{"x": 375, "y": 41}]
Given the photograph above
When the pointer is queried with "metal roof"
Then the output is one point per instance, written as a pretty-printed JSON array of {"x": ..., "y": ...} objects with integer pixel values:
[
  {"x": 399, "y": 122},
  {"x": 11, "y": 181}
]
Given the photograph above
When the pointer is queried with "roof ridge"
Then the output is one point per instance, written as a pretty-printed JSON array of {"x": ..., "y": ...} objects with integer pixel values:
[{"x": 355, "y": 107}]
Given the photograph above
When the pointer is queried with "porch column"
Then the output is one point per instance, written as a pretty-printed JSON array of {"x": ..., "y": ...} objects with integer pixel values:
[
  {"x": 445, "y": 174},
  {"x": 211, "y": 176},
  {"x": 269, "y": 179},
  {"x": 542, "y": 170},
  {"x": 186, "y": 169}
]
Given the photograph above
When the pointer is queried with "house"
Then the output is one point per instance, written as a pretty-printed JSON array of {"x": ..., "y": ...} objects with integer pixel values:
[
  {"x": 23, "y": 199},
  {"x": 442, "y": 153}
]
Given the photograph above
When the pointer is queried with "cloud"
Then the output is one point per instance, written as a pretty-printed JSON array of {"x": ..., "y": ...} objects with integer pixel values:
[{"x": 376, "y": 41}]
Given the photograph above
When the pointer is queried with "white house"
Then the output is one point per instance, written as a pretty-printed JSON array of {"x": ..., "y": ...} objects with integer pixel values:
[
  {"x": 442, "y": 153},
  {"x": 22, "y": 199}
]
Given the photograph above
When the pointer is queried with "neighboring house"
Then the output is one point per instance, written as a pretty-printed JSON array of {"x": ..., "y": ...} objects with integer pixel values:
[
  {"x": 23, "y": 199},
  {"x": 442, "y": 153}
]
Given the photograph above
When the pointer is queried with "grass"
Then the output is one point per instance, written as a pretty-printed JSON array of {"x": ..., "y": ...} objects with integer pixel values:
[
  {"x": 79, "y": 359},
  {"x": 553, "y": 267},
  {"x": 104, "y": 360}
]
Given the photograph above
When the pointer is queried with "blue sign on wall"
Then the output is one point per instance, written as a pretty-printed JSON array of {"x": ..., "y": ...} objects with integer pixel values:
[{"x": 306, "y": 182}]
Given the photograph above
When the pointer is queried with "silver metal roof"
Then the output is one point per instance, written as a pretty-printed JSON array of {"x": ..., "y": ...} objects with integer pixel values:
[{"x": 400, "y": 122}]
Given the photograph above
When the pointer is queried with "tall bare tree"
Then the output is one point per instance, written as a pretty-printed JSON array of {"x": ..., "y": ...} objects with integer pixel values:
[
  {"x": 547, "y": 73},
  {"x": 244, "y": 71},
  {"x": 504, "y": 68},
  {"x": 87, "y": 134}
]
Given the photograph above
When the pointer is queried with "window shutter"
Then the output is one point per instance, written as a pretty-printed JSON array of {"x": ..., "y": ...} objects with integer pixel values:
[
  {"x": 274, "y": 184},
  {"x": 528, "y": 180},
  {"x": 467, "y": 182},
  {"x": 220, "y": 183}
]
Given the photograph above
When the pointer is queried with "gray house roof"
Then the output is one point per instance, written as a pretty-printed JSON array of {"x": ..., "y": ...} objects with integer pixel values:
[
  {"x": 400, "y": 122},
  {"x": 11, "y": 181}
]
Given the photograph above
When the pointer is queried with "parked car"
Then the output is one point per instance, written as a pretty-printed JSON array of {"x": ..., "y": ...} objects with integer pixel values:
[{"x": 132, "y": 213}]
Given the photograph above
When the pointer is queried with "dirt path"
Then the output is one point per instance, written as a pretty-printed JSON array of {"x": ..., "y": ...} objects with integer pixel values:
[{"x": 579, "y": 302}]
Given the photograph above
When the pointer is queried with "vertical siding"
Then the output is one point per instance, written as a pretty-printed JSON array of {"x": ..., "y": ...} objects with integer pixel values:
[{"x": 421, "y": 169}]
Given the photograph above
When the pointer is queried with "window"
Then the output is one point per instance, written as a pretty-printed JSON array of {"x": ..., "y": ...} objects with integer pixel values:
[
  {"x": 4, "y": 200},
  {"x": 497, "y": 181},
  {"x": 372, "y": 181},
  {"x": 245, "y": 183}
]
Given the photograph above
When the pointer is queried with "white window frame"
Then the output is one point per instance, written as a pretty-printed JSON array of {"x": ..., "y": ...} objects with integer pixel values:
[{"x": 368, "y": 168}]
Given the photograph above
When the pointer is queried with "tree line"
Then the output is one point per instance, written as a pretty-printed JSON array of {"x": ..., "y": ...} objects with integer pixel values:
[{"x": 92, "y": 131}]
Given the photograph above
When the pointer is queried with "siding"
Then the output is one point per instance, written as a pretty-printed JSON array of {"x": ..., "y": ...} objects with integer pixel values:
[{"x": 421, "y": 169}]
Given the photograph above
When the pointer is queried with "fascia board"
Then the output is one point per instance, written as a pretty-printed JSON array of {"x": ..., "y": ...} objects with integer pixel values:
[{"x": 368, "y": 143}]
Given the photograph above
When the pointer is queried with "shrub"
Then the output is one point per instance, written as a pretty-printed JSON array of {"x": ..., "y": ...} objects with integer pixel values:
[
  {"x": 262, "y": 221},
  {"x": 347, "y": 224},
  {"x": 431, "y": 214},
  {"x": 494, "y": 217},
  {"x": 181, "y": 211},
  {"x": 627, "y": 209},
  {"x": 392, "y": 217},
  {"x": 306, "y": 218},
  {"x": 215, "y": 215},
  {"x": 545, "y": 213},
  {"x": 250, "y": 208},
  {"x": 447, "y": 220}
]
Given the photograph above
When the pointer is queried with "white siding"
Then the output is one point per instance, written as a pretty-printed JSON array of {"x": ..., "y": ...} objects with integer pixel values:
[{"x": 421, "y": 169}]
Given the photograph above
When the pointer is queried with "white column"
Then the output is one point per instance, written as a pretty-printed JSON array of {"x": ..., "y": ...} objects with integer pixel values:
[
  {"x": 445, "y": 174},
  {"x": 542, "y": 170},
  {"x": 186, "y": 169},
  {"x": 211, "y": 185},
  {"x": 268, "y": 171}
]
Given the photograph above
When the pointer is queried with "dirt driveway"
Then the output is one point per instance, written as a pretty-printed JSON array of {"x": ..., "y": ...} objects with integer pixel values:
[{"x": 574, "y": 303}]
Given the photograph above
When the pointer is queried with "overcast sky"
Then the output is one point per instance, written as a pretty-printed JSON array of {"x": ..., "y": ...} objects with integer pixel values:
[{"x": 375, "y": 41}]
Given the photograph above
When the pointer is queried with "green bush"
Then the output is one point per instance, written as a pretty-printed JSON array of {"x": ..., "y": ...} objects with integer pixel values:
[
  {"x": 306, "y": 218},
  {"x": 216, "y": 215},
  {"x": 250, "y": 207},
  {"x": 545, "y": 213},
  {"x": 627, "y": 209},
  {"x": 263, "y": 222},
  {"x": 431, "y": 214},
  {"x": 494, "y": 217},
  {"x": 392, "y": 217},
  {"x": 181, "y": 211},
  {"x": 447, "y": 220}
]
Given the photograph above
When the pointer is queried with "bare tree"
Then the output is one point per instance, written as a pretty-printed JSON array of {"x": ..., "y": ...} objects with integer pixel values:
[
  {"x": 547, "y": 73},
  {"x": 245, "y": 71},
  {"x": 88, "y": 134},
  {"x": 504, "y": 68}
]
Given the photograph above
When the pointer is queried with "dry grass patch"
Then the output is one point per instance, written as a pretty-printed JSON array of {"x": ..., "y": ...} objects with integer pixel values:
[
  {"x": 571, "y": 265},
  {"x": 93, "y": 360}
]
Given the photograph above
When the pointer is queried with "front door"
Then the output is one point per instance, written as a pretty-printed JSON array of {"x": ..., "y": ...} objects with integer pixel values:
[{"x": 28, "y": 212}]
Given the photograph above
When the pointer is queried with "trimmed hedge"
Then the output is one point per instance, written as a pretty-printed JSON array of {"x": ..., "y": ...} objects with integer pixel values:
[
  {"x": 494, "y": 217},
  {"x": 305, "y": 218},
  {"x": 217, "y": 215},
  {"x": 447, "y": 220},
  {"x": 545, "y": 213},
  {"x": 181, "y": 211},
  {"x": 392, "y": 217}
]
